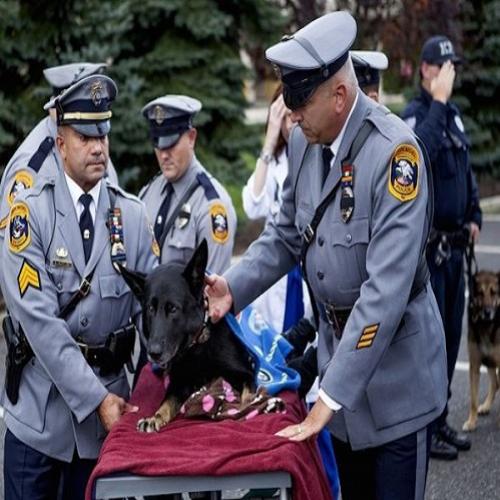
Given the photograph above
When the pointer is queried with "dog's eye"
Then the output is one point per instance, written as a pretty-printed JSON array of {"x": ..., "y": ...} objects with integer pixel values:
[{"x": 170, "y": 308}]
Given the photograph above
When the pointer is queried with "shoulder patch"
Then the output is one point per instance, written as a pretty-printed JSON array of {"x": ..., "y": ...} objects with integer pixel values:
[
  {"x": 20, "y": 236},
  {"x": 403, "y": 173},
  {"x": 220, "y": 229},
  {"x": 28, "y": 276},
  {"x": 22, "y": 180}
]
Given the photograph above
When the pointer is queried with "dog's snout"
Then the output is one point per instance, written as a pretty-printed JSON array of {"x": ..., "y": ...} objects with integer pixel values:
[
  {"x": 155, "y": 351},
  {"x": 489, "y": 313}
]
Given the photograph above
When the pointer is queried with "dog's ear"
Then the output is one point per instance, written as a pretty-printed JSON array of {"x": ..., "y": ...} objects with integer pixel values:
[
  {"x": 135, "y": 280},
  {"x": 195, "y": 270}
]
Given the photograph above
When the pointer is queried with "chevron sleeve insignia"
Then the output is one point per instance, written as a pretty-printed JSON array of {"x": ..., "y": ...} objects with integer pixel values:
[
  {"x": 367, "y": 337},
  {"x": 28, "y": 276}
]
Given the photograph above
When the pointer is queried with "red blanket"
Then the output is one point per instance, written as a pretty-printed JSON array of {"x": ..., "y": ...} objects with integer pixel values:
[{"x": 201, "y": 447}]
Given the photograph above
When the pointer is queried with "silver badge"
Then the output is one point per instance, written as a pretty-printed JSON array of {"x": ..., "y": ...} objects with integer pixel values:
[
  {"x": 347, "y": 203},
  {"x": 184, "y": 216},
  {"x": 118, "y": 249},
  {"x": 61, "y": 252},
  {"x": 61, "y": 258},
  {"x": 459, "y": 123}
]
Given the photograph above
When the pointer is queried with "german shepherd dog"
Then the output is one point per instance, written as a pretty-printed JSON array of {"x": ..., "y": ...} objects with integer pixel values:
[
  {"x": 189, "y": 349},
  {"x": 483, "y": 341}
]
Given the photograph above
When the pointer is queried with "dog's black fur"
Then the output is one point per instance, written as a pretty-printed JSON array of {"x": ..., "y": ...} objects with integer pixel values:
[{"x": 191, "y": 352}]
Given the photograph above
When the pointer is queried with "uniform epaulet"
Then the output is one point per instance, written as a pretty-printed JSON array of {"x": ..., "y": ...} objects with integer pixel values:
[
  {"x": 36, "y": 161},
  {"x": 42, "y": 183},
  {"x": 119, "y": 191},
  {"x": 383, "y": 119},
  {"x": 207, "y": 185}
]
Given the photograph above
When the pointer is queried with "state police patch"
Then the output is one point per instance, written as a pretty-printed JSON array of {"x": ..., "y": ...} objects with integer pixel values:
[
  {"x": 220, "y": 229},
  {"x": 403, "y": 173},
  {"x": 20, "y": 236},
  {"x": 22, "y": 180}
]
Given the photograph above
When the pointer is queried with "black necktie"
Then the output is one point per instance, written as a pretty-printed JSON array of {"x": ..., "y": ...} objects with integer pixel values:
[
  {"x": 327, "y": 161},
  {"x": 162, "y": 213},
  {"x": 86, "y": 225}
]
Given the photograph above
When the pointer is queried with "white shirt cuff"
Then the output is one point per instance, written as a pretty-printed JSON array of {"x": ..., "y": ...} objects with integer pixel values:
[{"x": 331, "y": 403}]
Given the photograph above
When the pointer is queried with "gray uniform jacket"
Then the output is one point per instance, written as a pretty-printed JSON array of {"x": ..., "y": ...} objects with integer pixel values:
[
  {"x": 184, "y": 236},
  {"x": 59, "y": 390},
  {"x": 388, "y": 371},
  {"x": 18, "y": 175}
]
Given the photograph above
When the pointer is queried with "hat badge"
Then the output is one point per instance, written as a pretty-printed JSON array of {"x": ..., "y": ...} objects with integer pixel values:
[
  {"x": 96, "y": 92},
  {"x": 159, "y": 114}
]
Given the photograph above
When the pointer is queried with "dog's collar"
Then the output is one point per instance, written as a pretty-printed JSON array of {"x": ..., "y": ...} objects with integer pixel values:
[{"x": 204, "y": 334}]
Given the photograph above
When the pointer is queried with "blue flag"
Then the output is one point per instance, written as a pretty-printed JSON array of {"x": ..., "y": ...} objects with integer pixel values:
[{"x": 268, "y": 349}]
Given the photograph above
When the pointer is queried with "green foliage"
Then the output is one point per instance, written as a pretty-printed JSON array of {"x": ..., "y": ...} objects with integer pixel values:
[
  {"x": 153, "y": 47},
  {"x": 479, "y": 83}
]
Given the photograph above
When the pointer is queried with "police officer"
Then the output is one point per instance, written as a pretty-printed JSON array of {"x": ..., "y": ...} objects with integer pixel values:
[
  {"x": 185, "y": 203},
  {"x": 37, "y": 154},
  {"x": 67, "y": 299},
  {"x": 361, "y": 235},
  {"x": 457, "y": 216},
  {"x": 368, "y": 64}
]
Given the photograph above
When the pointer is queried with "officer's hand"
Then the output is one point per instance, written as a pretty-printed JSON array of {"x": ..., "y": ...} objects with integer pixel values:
[
  {"x": 474, "y": 232},
  {"x": 277, "y": 113},
  {"x": 442, "y": 85},
  {"x": 318, "y": 417},
  {"x": 219, "y": 296},
  {"x": 112, "y": 408}
]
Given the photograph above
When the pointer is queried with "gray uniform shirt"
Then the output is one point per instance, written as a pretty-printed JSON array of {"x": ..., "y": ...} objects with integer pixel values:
[
  {"x": 18, "y": 176},
  {"x": 184, "y": 236},
  {"x": 388, "y": 371},
  {"x": 44, "y": 264}
]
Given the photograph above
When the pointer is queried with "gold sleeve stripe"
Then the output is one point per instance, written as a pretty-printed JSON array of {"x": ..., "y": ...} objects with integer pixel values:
[
  {"x": 367, "y": 336},
  {"x": 28, "y": 276}
]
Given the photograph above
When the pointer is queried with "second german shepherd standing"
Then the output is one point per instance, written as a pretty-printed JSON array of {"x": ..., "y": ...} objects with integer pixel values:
[{"x": 483, "y": 341}]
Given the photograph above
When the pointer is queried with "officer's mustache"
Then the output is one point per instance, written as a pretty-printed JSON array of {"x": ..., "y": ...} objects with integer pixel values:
[{"x": 97, "y": 160}]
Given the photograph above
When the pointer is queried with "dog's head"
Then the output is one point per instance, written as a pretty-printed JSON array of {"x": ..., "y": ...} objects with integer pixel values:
[
  {"x": 485, "y": 294},
  {"x": 172, "y": 302}
]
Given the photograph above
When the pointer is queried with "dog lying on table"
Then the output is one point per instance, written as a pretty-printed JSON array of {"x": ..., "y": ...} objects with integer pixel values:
[
  {"x": 189, "y": 349},
  {"x": 483, "y": 341}
]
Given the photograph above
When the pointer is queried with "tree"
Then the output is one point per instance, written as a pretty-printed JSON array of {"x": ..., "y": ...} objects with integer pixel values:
[
  {"x": 479, "y": 83},
  {"x": 153, "y": 47}
]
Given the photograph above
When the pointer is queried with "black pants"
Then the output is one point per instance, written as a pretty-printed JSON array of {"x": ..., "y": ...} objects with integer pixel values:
[
  {"x": 31, "y": 475},
  {"x": 394, "y": 471},
  {"x": 449, "y": 288}
]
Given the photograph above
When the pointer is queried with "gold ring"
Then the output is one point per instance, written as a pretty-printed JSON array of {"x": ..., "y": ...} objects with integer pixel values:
[{"x": 299, "y": 429}]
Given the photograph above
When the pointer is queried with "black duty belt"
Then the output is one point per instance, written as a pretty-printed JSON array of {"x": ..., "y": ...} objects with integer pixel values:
[
  {"x": 114, "y": 353},
  {"x": 336, "y": 317}
]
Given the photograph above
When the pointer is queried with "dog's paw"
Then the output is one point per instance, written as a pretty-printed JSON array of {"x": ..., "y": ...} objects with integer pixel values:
[
  {"x": 151, "y": 424},
  {"x": 469, "y": 425},
  {"x": 484, "y": 409}
]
